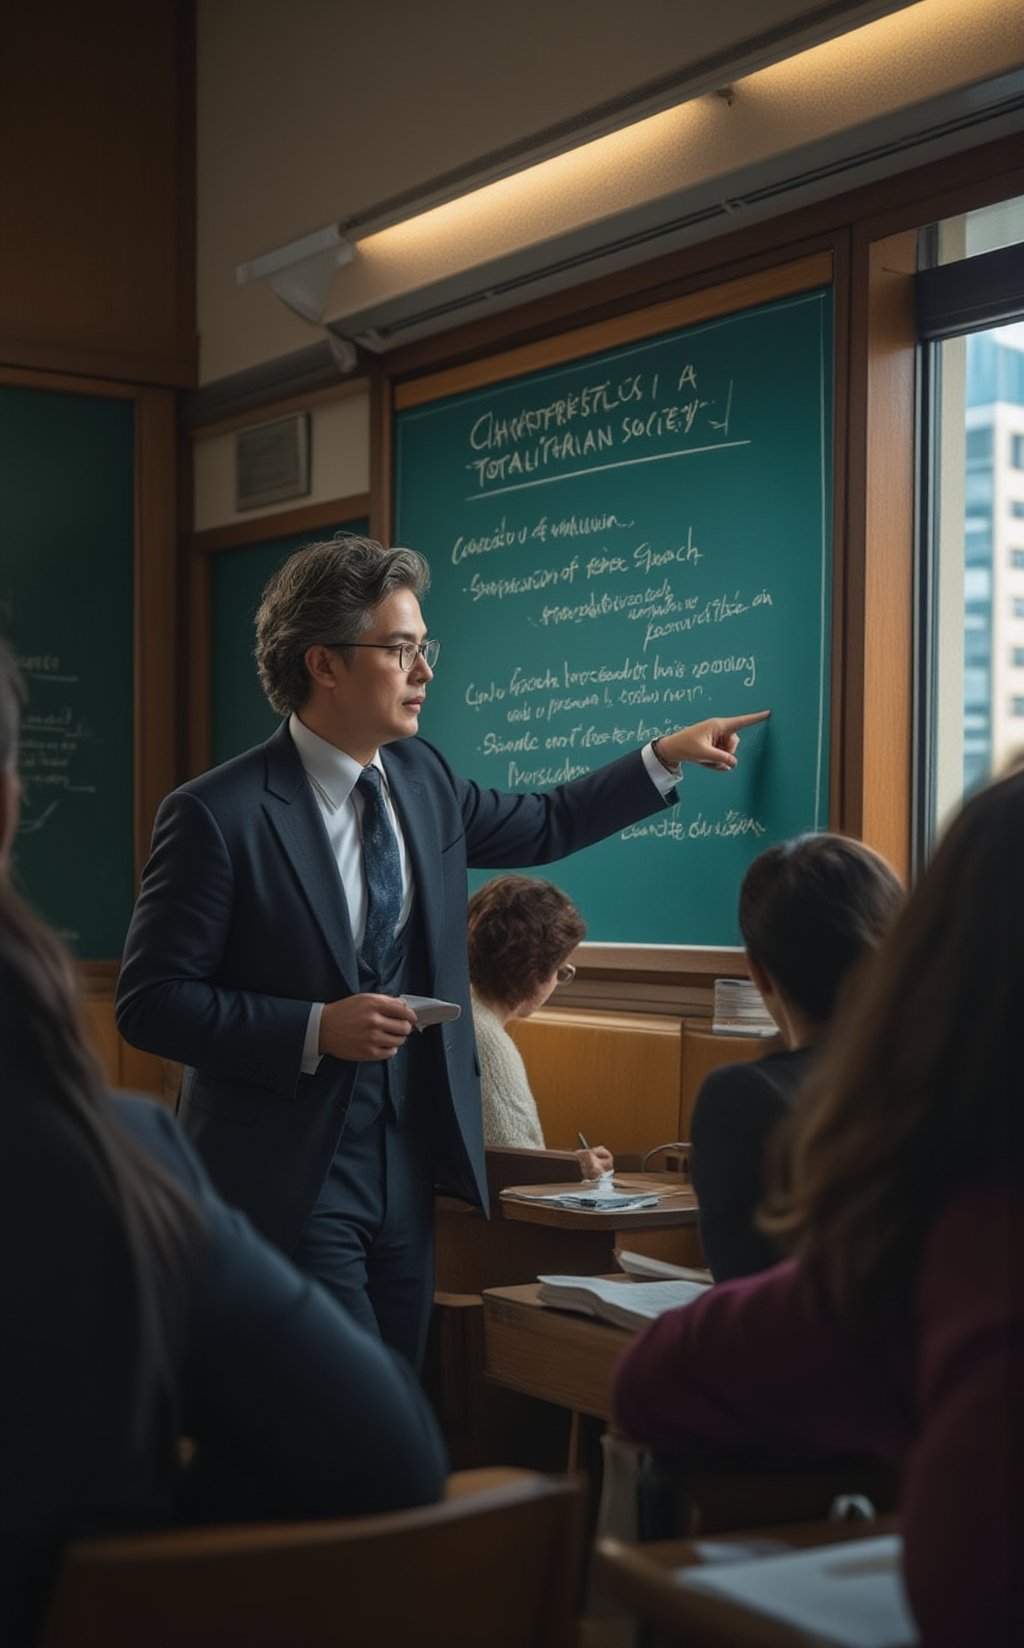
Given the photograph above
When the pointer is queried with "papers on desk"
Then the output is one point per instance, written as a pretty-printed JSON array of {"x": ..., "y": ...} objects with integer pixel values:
[
  {"x": 596, "y": 1198},
  {"x": 849, "y": 1594},
  {"x": 623, "y": 1304},
  {"x": 649, "y": 1269}
]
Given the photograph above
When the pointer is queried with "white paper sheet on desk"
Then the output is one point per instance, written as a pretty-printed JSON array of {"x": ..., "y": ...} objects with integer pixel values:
[
  {"x": 849, "y": 1594},
  {"x": 596, "y": 1200},
  {"x": 430, "y": 1010}
]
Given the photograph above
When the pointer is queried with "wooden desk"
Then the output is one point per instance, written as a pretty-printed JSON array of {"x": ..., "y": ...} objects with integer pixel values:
[
  {"x": 567, "y": 1360},
  {"x": 560, "y": 1357},
  {"x": 524, "y": 1240},
  {"x": 640, "y": 1578}
]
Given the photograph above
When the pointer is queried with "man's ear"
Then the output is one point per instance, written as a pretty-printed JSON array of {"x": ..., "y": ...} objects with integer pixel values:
[{"x": 322, "y": 665}]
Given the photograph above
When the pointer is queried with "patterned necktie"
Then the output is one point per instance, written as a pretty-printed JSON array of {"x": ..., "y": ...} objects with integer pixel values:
[{"x": 383, "y": 871}]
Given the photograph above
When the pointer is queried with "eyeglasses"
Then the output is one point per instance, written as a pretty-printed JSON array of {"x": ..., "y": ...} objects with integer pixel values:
[
  {"x": 566, "y": 973},
  {"x": 406, "y": 652}
]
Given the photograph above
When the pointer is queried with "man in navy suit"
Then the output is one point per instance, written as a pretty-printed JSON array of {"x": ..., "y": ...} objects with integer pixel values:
[{"x": 269, "y": 954}]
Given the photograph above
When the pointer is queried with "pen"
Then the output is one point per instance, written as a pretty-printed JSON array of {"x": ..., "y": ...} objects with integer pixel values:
[{"x": 582, "y": 1140}]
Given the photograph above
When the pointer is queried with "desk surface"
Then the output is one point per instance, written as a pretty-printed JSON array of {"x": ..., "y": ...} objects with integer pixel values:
[
  {"x": 557, "y": 1355},
  {"x": 677, "y": 1207},
  {"x": 640, "y": 1577}
]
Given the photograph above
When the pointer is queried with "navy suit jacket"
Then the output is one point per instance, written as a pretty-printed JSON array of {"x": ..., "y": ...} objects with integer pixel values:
[{"x": 242, "y": 923}]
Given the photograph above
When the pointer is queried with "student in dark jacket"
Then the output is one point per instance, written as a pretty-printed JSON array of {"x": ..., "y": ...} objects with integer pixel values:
[
  {"x": 810, "y": 911},
  {"x": 896, "y": 1330},
  {"x": 137, "y": 1307}
]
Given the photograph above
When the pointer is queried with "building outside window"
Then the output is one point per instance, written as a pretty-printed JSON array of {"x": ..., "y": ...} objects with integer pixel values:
[{"x": 972, "y": 707}]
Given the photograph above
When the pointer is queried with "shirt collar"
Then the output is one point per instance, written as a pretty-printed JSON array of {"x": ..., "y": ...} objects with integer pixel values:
[{"x": 332, "y": 773}]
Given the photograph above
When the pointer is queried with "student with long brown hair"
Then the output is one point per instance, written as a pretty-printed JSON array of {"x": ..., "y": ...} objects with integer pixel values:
[
  {"x": 136, "y": 1307},
  {"x": 897, "y": 1327}
]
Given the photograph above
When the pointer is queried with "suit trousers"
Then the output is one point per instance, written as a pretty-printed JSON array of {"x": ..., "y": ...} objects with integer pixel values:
[{"x": 370, "y": 1238}]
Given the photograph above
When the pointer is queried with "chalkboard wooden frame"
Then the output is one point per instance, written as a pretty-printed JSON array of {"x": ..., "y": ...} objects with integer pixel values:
[
  {"x": 313, "y": 519},
  {"x": 154, "y": 575},
  {"x": 677, "y": 965}
]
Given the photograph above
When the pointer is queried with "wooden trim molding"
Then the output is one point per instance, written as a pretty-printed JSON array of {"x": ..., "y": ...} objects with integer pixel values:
[
  {"x": 155, "y": 611},
  {"x": 286, "y": 524},
  {"x": 877, "y": 774},
  {"x": 723, "y": 298}
]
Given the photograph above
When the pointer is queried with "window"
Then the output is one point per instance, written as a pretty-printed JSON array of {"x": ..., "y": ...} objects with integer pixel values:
[
  {"x": 972, "y": 379},
  {"x": 1017, "y": 706}
]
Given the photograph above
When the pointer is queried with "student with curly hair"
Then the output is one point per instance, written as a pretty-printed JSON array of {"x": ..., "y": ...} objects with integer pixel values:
[{"x": 521, "y": 934}]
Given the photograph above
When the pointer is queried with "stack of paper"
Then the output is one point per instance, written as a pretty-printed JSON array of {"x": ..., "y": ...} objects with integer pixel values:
[
  {"x": 848, "y": 1594},
  {"x": 650, "y": 1269},
  {"x": 592, "y": 1200},
  {"x": 739, "y": 1010},
  {"x": 623, "y": 1304}
]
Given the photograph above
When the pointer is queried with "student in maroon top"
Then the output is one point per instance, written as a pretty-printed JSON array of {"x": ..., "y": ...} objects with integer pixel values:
[{"x": 897, "y": 1327}]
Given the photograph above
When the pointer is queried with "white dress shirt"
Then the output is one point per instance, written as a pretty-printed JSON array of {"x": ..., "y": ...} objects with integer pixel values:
[{"x": 333, "y": 776}]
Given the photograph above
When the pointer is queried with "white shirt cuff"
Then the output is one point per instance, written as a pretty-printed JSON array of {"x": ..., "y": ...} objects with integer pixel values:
[
  {"x": 311, "y": 1054},
  {"x": 662, "y": 780}
]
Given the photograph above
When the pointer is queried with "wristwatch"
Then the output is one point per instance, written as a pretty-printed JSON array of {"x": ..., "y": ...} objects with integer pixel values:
[{"x": 671, "y": 767}]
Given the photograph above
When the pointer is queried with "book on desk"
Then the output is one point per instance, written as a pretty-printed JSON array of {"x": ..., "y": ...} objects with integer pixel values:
[{"x": 624, "y": 1304}]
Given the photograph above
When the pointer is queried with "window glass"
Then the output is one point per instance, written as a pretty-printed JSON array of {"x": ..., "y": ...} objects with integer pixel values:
[
  {"x": 980, "y": 625},
  {"x": 974, "y": 647}
]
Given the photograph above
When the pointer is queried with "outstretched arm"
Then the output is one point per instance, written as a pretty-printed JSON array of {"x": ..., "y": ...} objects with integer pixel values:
[{"x": 710, "y": 743}]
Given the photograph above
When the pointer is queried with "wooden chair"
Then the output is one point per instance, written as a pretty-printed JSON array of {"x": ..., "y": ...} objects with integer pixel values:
[
  {"x": 498, "y": 1561},
  {"x": 708, "y": 1492}
]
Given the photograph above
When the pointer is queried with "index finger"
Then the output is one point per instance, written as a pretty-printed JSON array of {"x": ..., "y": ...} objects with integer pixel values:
[{"x": 731, "y": 722}]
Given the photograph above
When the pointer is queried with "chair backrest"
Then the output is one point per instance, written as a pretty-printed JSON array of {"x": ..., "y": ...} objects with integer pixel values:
[{"x": 500, "y": 1566}]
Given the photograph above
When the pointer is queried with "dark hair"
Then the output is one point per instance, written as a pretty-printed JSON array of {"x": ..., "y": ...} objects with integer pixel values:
[
  {"x": 811, "y": 910},
  {"x": 520, "y": 930},
  {"x": 920, "y": 1088},
  {"x": 42, "y": 1037},
  {"x": 325, "y": 593}
]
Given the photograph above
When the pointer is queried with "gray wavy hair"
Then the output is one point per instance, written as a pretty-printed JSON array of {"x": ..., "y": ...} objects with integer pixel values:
[{"x": 325, "y": 593}]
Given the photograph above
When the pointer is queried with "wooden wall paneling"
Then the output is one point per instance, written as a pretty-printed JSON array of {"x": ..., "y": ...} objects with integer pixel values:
[
  {"x": 381, "y": 466},
  {"x": 613, "y": 1076},
  {"x": 703, "y": 1051},
  {"x": 98, "y": 1017},
  {"x": 97, "y": 103},
  {"x": 877, "y": 775},
  {"x": 156, "y": 611}
]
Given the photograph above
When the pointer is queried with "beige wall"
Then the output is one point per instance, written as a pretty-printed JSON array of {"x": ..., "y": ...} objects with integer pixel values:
[
  {"x": 96, "y": 174},
  {"x": 315, "y": 110},
  {"x": 339, "y": 464}
]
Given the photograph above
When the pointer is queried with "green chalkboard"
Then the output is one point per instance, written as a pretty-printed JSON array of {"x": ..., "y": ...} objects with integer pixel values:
[
  {"x": 66, "y": 545},
  {"x": 623, "y": 545},
  {"x": 239, "y": 714}
]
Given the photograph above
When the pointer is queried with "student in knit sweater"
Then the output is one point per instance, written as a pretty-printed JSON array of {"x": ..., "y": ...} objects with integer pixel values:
[
  {"x": 521, "y": 934},
  {"x": 896, "y": 1329}
]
